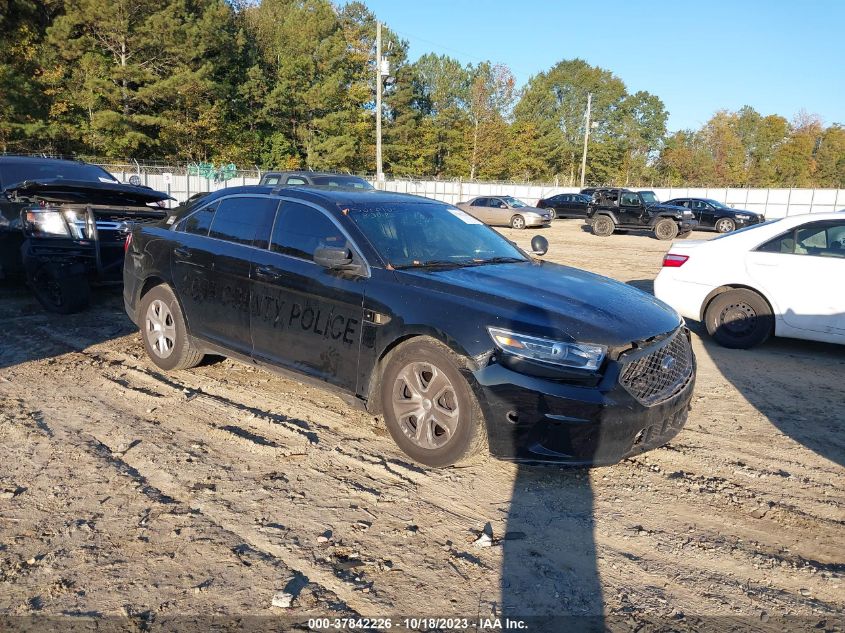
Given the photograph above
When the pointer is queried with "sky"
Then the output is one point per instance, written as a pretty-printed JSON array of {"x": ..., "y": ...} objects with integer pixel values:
[{"x": 699, "y": 57}]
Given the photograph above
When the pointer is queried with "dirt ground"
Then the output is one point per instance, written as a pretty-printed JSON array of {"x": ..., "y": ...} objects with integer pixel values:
[{"x": 128, "y": 492}]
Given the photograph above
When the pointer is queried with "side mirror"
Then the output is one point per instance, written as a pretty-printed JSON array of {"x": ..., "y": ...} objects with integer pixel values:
[
  {"x": 335, "y": 258},
  {"x": 539, "y": 245}
]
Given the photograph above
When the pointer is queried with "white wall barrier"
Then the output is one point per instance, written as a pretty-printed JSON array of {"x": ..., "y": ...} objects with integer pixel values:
[{"x": 773, "y": 203}]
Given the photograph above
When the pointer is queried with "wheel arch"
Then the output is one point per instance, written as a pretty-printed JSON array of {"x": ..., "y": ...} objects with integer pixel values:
[
  {"x": 609, "y": 214},
  {"x": 375, "y": 374},
  {"x": 728, "y": 287}
]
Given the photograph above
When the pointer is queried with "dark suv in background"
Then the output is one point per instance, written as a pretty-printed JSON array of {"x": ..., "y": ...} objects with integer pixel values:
[
  {"x": 412, "y": 308},
  {"x": 617, "y": 208},
  {"x": 63, "y": 225},
  {"x": 319, "y": 178},
  {"x": 712, "y": 214}
]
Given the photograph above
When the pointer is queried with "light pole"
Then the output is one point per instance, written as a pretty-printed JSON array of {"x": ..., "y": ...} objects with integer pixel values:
[
  {"x": 382, "y": 71},
  {"x": 586, "y": 138}
]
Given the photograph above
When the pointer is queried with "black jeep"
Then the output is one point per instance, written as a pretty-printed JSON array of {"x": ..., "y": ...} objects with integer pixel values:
[
  {"x": 64, "y": 224},
  {"x": 615, "y": 208}
]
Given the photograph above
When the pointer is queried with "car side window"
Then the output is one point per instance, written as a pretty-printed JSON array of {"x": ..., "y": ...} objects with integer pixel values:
[
  {"x": 296, "y": 180},
  {"x": 198, "y": 222},
  {"x": 299, "y": 230},
  {"x": 698, "y": 205},
  {"x": 479, "y": 202},
  {"x": 244, "y": 220},
  {"x": 271, "y": 180},
  {"x": 821, "y": 240},
  {"x": 630, "y": 199},
  {"x": 683, "y": 203}
]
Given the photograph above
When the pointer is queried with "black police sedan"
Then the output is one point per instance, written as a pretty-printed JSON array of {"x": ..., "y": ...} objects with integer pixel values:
[
  {"x": 712, "y": 214},
  {"x": 416, "y": 310}
]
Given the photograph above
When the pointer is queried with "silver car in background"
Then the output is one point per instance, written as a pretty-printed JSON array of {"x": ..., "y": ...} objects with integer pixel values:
[{"x": 506, "y": 211}]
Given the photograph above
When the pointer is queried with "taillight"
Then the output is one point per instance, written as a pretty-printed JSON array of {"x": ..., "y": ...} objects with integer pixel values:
[
  {"x": 674, "y": 261},
  {"x": 127, "y": 243}
]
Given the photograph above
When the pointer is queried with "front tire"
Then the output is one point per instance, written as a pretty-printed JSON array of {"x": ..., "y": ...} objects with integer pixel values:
[
  {"x": 429, "y": 408},
  {"x": 163, "y": 329},
  {"x": 603, "y": 226},
  {"x": 666, "y": 229},
  {"x": 725, "y": 225},
  {"x": 517, "y": 222},
  {"x": 739, "y": 319},
  {"x": 58, "y": 293}
]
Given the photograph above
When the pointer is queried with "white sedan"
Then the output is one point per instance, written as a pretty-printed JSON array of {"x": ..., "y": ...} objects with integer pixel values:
[{"x": 784, "y": 277}]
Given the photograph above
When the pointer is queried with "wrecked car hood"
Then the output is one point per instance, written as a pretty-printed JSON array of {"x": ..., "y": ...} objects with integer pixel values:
[{"x": 60, "y": 189}]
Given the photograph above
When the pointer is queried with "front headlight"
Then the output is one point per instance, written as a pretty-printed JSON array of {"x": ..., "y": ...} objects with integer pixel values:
[
  {"x": 578, "y": 355},
  {"x": 46, "y": 223}
]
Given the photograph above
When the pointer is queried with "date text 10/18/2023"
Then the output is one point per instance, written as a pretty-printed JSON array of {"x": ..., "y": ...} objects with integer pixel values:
[{"x": 418, "y": 624}]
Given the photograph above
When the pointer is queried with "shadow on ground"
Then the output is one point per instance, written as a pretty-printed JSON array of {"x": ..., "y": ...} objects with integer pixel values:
[{"x": 39, "y": 334}]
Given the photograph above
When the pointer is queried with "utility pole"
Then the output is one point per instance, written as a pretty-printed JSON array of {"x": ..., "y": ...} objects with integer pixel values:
[
  {"x": 379, "y": 174},
  {"x": 586, "y": 138}
]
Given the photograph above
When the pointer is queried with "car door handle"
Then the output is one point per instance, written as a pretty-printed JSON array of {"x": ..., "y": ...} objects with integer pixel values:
[
  {"x": 182, "y": 252},
  {"x": 267, "y": 272}
]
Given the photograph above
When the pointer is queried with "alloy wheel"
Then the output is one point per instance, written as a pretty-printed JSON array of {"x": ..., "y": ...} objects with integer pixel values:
[
  {"x": 425, "y": 405},
  {"x": 160, "y": 330}
]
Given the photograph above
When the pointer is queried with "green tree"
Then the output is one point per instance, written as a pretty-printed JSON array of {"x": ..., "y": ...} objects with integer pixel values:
[
  {"x": 23, "y": 106},
  {"x": 556, "y": 100},
  {"x": 830, "y": 158},
  {"x": 124, "y": 83}
]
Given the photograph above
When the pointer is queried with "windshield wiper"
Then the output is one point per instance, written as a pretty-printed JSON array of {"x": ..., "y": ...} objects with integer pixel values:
[
  {"x": 435, "y": 263},
  {"x": 496, "y": 260}
]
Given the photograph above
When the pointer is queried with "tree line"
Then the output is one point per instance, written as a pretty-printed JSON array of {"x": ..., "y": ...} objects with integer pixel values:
[{"x": 291, "y": 84}]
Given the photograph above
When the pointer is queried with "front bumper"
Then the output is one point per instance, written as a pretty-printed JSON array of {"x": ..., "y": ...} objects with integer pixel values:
[
  {"x": 532, "y": 419},
  {"x": 538, "y": 221},
  {"x": 688, "y": 225}
]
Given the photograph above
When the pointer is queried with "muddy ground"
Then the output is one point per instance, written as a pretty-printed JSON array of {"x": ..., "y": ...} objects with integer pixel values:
[{"x": 126, "y": 491}]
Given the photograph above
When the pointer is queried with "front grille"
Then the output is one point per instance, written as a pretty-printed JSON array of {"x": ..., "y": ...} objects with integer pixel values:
[{"x": 661, "y": 373}]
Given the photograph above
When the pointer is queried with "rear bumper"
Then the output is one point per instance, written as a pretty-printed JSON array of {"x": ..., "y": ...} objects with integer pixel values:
[
  {"x": 687, "y": 298},
  {"x": 533, "y": 419}
]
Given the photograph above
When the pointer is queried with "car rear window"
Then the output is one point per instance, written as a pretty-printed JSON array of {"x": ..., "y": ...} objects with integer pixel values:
[
  {"x": 14, "y": 172},
  {"x": 341, "y": 181}
]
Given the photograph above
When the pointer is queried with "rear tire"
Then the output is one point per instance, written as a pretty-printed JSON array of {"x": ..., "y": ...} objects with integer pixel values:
[
  {"x": 739, "y": 319},
  {"x": 666, "y": 229},
  {"x": 429, "y": 407},
  {"x": 163, "y": 330},
  {"x": 603, "y": 226},
  {"x": 517, "y": 222},
  {"x": 57, "y": 293}
]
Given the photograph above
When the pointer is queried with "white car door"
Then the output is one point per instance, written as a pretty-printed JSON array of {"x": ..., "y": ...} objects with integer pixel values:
[{"x": 803, "y": 272}]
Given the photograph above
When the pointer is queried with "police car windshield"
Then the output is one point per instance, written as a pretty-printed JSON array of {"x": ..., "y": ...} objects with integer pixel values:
[{"x": 415, "y": 234}]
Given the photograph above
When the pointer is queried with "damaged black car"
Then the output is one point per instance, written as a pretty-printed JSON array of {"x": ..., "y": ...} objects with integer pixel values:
[
  {"x": 413, "y": 309},
  {"x": 63, "y": 226}
]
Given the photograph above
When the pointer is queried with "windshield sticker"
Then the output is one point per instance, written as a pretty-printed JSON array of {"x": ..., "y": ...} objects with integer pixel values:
[{"x": 465, "y": 217}]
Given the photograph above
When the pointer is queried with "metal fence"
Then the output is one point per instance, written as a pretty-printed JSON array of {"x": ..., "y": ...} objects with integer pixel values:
[{"x": 773, "y": 203}]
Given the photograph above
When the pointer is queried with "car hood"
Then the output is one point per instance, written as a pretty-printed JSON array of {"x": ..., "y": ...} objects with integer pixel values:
[
  {"x": 557, "y": 301},
  {"x": 86, "y": 191}
]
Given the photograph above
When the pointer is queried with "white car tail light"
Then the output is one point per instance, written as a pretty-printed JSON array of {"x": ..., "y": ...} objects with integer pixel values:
[{"x": 674, "y": 261}]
